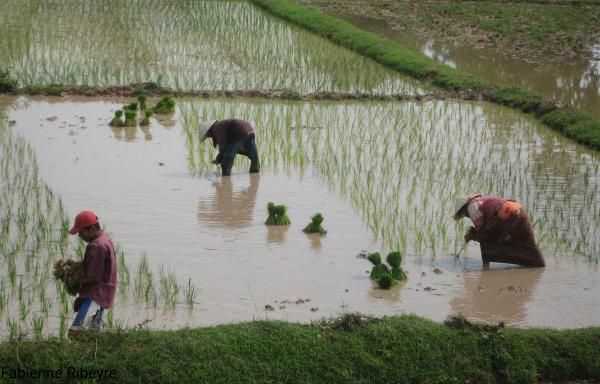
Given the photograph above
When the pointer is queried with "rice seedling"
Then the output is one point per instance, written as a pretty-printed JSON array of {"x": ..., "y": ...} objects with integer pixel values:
[
  {"x": 403, "y": 186},
  {"x": 207, "y": 45},
  {"x": 14, "y": 329},
  {"x": 34, "y": 233},
  {"x": 38, "y": 323},
  {"x": 316, "y": 225},
  {"x": 190, "y": 292}
]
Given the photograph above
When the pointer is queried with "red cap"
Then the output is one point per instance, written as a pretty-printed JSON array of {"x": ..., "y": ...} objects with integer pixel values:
[{"x": 83, "y": 220}]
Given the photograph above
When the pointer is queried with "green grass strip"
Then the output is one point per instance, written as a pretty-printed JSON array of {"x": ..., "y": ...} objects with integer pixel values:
[
  {"x": 351, "y": 349},
  {"x": 574, "y": 123}
]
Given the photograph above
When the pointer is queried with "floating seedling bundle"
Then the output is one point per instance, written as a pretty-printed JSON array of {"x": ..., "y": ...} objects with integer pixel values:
[
  {"x": 164, "y": 106},
  {"x": 316, "y": 225},
  {"x": 385, "y": 276},
  {"x": 117, "y": 121},
  {"x": 277, "y": 215},
  {"x": 70, "y": 272}
]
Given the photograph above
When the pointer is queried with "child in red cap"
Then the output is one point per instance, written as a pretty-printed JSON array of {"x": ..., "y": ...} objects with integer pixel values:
[{"x": 99, "y": 284}]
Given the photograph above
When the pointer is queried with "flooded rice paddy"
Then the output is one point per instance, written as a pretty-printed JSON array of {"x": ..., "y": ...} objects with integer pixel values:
[
  {"x": 198, "y": 45},
  {"x": 383, "y": 174},
  {"x": 575, "y": 80}
]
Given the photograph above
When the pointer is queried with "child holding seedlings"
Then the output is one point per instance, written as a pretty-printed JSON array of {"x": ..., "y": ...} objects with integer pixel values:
[
  {"x": 99, "y": 283},
  {"x": 232, "y": 137},
  {"x": 502, "y": 228}
]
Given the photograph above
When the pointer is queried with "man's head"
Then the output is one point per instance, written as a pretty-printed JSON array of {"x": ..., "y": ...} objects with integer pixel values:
[
  {"x": 204, "y": 128},
  {"x": 86, "y": 226}
]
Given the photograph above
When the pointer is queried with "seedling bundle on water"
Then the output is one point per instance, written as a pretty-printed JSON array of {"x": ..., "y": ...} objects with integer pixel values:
[
  {"x": 117, "y": 121},
  {"x": 277, "y": 215},
  {"x": 385, "y": 276},
  {"x": 316, "y": 225},
  {"x": 163, "y": 106}
]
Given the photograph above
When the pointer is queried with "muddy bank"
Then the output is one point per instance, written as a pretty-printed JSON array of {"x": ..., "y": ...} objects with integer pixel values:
[{"x": 153, "y": 89}]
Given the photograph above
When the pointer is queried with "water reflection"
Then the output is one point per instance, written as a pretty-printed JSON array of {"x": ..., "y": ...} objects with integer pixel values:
[
  {"x": 574, "y": 80},
  {"x": 392, "y": 294},
  {"x": 276, "y": 233},
  {"x": 315, "y": 240},
  {"x": 229, "y": 208},
  {"x": 497, "y": 295}
]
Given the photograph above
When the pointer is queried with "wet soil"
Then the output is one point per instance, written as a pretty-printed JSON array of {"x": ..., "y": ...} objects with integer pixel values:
[{"x": 211, "y": 229}]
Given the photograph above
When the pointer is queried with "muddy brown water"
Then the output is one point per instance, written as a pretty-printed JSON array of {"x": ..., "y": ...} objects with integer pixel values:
[
  {"x": 211, "y": 229},
  {"x": 575, "y": 81}
]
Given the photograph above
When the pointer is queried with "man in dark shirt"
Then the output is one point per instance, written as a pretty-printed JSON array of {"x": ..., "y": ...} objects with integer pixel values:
[
  {"x": 99, "y": 284},
  {"x": 232, "y": 136}
]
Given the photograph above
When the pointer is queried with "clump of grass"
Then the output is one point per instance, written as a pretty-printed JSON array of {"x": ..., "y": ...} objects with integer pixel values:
[
  {"x": 316, "y": 225},
  {"x": 277, "y": 215},
  {"x": 117, "y": 121},
  {"x": 130, "y": 118},
  {"x": 146, "y": 120},
  {"x": 385, "y": 276},
  {"x": 164, "y": 106}
]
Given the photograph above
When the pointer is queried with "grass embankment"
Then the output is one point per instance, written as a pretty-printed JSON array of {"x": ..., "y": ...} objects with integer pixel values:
[
  {"x": 153, "y": 89},
  {"x": 349, "y": 349},
  {"x": 574, "y": 123},
  {"x": 546, "y": 29}
]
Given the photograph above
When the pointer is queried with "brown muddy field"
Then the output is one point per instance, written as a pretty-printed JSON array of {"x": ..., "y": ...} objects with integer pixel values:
[{"x": 211, "y": 230}]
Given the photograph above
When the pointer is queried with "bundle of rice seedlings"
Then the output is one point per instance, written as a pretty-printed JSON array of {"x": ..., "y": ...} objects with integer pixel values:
[
  {"x": 142, "y": 97},
  {"x": 130, "y": 118},
  {"x": 117, "y": 121},
  {"x": 386, "y": 281},
  {"x": 399, "y": 274},
  {"x": 387, "y": 277},
  {"x": 394, "y": 259},
  {"x": 165, "y": 105},
  {"x": 132, "y": 107},
  {"x": 70, "y": 272},
  {"x": 277, "y": 215},
  {"x": 375, "y": 258},
  {"x": 282, "y": 218},
  {"x": 315, "y": 226},
  {"x": 146, "y": 120},
  {"x": 378, "y": 271},
  {"x": 272, "y": 218}
]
